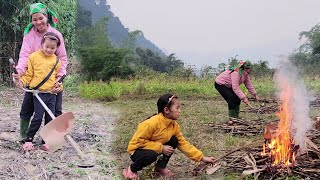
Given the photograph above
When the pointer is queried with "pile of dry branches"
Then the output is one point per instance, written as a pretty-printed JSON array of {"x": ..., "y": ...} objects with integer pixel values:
[
  {"x": 263, "y": 110},
  {"x": 241, "y": 126},
  {"x": 315, "y": 103},
  {"x": 248, "y": 160}
]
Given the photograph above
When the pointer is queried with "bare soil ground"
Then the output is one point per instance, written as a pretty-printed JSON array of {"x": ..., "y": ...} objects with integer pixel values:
[{"x": 93, "y": 131}]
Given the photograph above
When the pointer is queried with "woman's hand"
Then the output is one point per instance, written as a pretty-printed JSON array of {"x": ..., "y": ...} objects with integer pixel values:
[
  {"x": 167, "y": 150},
  {"x": 256, "y": 97},
  {"x": 246, "y": 101},
  {"x": 57, "y": 88},
  {"x": 208, "y": 159}
]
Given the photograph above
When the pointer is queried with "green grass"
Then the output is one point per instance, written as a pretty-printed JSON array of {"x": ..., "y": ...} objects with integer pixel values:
[
  {"x": 201, "y": 105},
  {"x": 160, "y": 85},
  {"x": 163, "y": 83},
  {"x": 115, "y": 89}
]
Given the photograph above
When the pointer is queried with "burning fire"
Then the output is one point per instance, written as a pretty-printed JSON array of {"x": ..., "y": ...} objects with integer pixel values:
[{"x": 279, "y": 142}]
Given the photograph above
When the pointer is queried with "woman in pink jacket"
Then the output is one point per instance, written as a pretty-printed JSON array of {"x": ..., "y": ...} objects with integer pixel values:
[
  {"x": 42, "y": 20},
  {"x": 228, "y": 82}
]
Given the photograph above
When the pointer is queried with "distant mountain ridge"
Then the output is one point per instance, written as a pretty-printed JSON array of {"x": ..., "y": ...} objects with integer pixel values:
[{"x": 116, "y": 31}]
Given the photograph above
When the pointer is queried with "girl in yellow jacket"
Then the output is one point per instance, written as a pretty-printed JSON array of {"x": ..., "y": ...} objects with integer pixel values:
[
  {"x": 40, "y": 64},
  {"x": 160, "y": 135}
]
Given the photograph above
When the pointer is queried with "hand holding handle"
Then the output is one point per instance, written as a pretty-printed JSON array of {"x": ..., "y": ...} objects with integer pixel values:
[
  {"x": 13, "y": 64},
  {"x": 246, "y": 101},
  {"x": 62, "y": 78}
]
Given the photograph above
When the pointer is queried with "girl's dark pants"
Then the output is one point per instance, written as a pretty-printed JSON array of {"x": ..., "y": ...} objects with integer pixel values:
[
  {"x": 227, "y": 93},
  {"x": 27, "y": 108},
  {"x": 39, "y": 111},
  {"x": 144, "y": 157}
]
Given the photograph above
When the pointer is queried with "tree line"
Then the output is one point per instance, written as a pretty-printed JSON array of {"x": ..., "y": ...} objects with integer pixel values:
[
  {"x": 100, "y": 60},
  {"x": 307, "y": 56}
]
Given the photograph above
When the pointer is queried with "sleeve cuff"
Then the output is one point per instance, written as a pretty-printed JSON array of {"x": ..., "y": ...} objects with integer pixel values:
[{"x": 200, "y": 157}]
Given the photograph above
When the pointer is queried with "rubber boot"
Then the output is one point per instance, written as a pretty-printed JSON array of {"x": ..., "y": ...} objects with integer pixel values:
[
  {"x": 237, "y": 111},
  {"x": 24, "y": 125},
  {"x": 232, "y": 113}
]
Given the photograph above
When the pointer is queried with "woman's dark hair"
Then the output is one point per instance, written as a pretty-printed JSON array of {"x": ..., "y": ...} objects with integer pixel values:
[
  {"x": 165, "y": 101},
  {"x": 51, "y": 36}
]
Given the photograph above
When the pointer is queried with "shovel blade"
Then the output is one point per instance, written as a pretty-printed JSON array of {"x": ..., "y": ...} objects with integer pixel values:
[{"x": 53, "y": 133}]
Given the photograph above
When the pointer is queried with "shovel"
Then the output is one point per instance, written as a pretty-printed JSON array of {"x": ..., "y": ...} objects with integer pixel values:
[
  {"x": 54, "y": 132},
  {"x": 59, "y": 127}
]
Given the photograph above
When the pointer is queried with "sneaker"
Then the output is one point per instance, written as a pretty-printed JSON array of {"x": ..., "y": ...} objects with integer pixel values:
[
  {"x": 28, "y": 146},
  {"x": 164, "y": 172},
  {"x": 128, "y": 174}
]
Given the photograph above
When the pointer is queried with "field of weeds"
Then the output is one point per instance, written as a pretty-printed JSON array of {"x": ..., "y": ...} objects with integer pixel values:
[{"x": 198, "y": 119}]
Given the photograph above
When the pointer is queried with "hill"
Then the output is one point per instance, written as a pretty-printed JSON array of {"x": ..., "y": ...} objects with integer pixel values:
[{"x": 117, "y": 32}]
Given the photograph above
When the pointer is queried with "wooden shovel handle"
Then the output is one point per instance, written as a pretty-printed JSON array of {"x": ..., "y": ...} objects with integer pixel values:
[
  {"x": 251, "y": 107},
  {"x": 75, "y": 147}
]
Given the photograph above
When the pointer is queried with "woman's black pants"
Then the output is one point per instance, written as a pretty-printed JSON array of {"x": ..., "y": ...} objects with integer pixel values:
[{"x": 227, "y": 93}]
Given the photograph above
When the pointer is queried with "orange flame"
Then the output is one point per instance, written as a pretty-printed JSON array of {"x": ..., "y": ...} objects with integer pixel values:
[{"x": 280, "y": 144}]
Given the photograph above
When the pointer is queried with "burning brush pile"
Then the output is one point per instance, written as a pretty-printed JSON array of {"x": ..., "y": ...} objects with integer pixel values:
[
  {"x": 289, "y": 146},
  {"x": 279, "y": 141}
]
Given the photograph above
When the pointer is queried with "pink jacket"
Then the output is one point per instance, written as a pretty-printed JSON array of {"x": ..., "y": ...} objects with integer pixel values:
[
  {"x": 233, "y": 80},
  {"x": 32, "y": 43}
]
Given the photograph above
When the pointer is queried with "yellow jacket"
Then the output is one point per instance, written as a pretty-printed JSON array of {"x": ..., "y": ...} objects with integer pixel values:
[
  {"x": 153, "y": 133},
  {"x": 39, "y": 66}
]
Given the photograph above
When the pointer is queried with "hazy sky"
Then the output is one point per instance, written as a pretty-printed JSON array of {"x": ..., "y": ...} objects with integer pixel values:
[{"x": 208, "y": 32}]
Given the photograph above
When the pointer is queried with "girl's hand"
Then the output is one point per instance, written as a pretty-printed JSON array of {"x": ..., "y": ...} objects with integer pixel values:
[
  {"x": 15, "y": 76},
  {"x": 208, "y": 159},
  {"x": 18, "y": 83},
  {"x": 56, "y": 90},
  {"x": 167, "y": 150}
]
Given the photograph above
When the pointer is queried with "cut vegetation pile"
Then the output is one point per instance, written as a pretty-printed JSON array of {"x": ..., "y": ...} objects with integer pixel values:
[{"x": 248, "y": 160}]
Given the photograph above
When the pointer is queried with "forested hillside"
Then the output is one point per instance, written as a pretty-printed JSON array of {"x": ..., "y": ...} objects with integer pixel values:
[
  {"x": 117, "y": 32},
  {"x": 104, "y": 56}
]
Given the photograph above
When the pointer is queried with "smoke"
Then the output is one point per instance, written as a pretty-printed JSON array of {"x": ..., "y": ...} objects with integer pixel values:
[{"x": 289, "y": 81}]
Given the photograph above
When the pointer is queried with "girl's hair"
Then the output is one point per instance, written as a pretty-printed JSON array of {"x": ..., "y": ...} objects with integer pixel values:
[
  {"x": 165, "y": 101},
  {"x": 51, "y": 36}
]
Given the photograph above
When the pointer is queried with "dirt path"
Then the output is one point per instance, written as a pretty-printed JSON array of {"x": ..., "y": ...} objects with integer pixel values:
[{"x": 92, "y": 131}]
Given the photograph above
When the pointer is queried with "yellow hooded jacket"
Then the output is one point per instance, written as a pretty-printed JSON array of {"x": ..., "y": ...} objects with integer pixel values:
[
  {"x": 39, "y": 66},
  {"x": 153, "y": 133}
]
